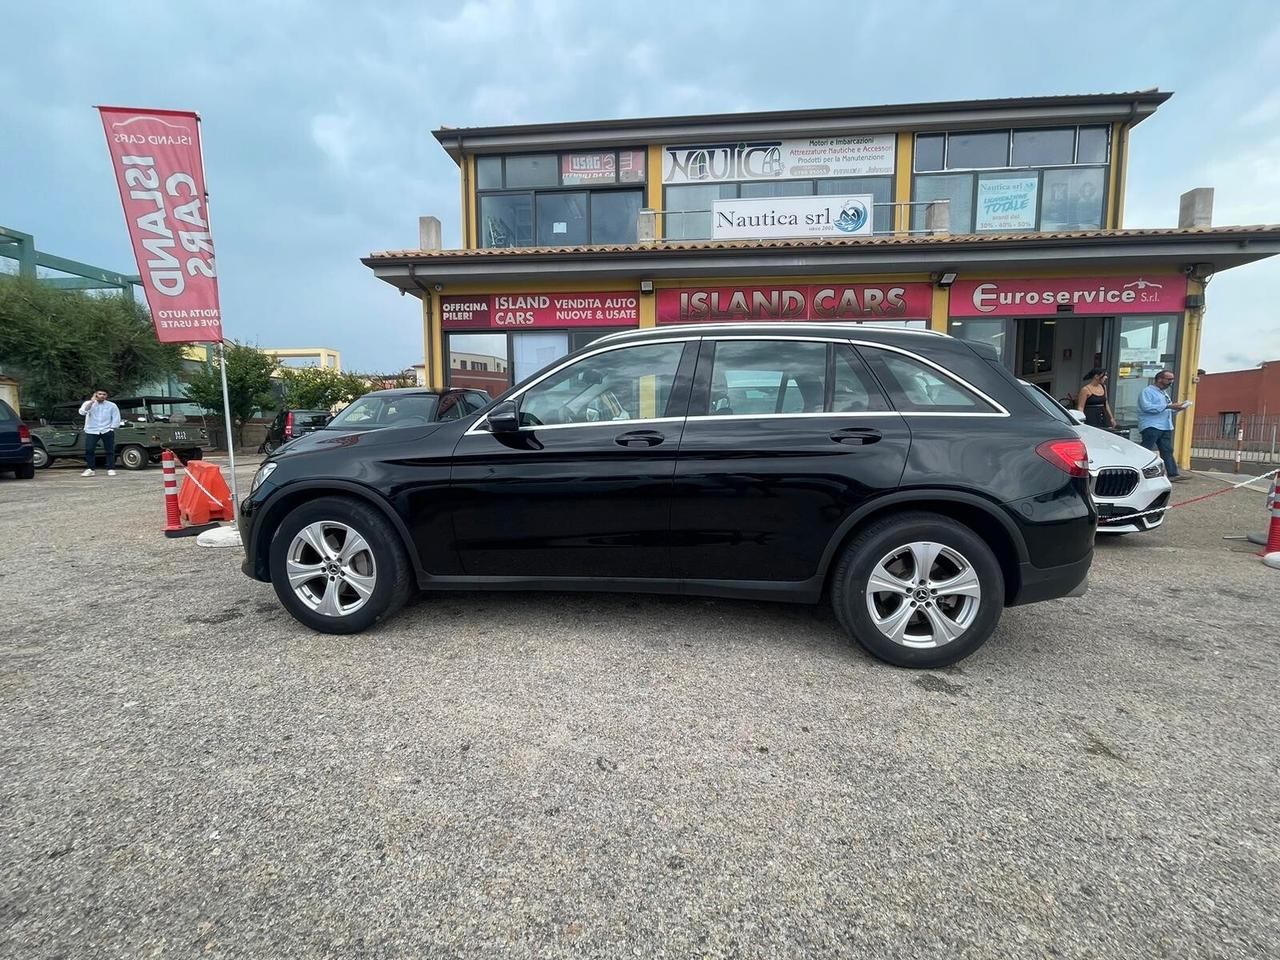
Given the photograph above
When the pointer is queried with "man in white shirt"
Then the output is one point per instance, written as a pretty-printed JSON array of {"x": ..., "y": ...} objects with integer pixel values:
[{"x": 101, "y": 417}]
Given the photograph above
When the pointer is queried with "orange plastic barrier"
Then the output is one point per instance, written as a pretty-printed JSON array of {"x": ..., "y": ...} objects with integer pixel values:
[{"x": 204, "y": 495}]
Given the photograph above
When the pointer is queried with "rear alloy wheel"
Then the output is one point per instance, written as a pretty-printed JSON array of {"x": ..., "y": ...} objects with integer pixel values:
[
  {"x": 919, "y": 590},
  {"x": 134, "y": 457},
  {"x": 40, "y": 457},
  {"x": 338, "y": 565}
]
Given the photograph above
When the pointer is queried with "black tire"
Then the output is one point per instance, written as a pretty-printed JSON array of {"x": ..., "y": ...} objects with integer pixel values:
[
  {"x": 40, "y": 458},
  {"x": 268, "y": 447},
  {"x": 134, "y": 457},
  {"x": 881, "y": 539},
  {"x": 25, "y": 472},
  {"x": 392, "y": 569}
]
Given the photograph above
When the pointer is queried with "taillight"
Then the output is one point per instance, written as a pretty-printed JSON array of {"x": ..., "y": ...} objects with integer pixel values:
[
  {"x": 288, "y": 424},
  {"x": 1069, "y": 456},
  {"x": 24, "y": 433}
]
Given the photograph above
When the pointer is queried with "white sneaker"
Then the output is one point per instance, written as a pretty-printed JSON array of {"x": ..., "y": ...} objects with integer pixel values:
[
  {"x": 111, "y": 473},
  {"x": 87, "y": 473}
]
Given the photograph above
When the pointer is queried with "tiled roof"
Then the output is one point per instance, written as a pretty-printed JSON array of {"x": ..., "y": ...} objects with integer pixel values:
[{"x": 904, "y": 240}]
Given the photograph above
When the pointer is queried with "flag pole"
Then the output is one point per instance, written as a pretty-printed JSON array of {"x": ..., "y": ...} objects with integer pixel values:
[{"x": 222, "y": 351}]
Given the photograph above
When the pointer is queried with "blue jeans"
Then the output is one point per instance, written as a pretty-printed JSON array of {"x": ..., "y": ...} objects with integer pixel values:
[
  {"x": 108, "y": 444},
  {"x": 1153, "y": 438}
]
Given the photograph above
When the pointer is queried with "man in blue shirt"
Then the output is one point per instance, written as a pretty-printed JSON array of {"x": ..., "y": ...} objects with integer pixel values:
[
  {"x": 101, "y": 417},
  {"x": 1155, "y": 420}
]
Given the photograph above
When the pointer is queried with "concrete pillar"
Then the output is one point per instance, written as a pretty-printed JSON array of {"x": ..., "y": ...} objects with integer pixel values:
[
  {"x": 647, "y": 226},
  {"x": 429, "y": 233},
  {"x": 1195, "y": 208},
  {"x": 937, "y": 217}
]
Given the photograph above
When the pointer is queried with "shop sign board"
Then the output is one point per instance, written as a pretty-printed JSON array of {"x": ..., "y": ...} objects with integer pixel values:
[
  {"x": 598, "y": 167},
  {"x": 523, "y": 311},
  {"x": 765, "y": 217},
  {"x": 1007, "y": 204},
  {"x": 1161, "y": 293},
  {"x": 818, "y": 301},
  {"x": 869, "y": 155}
]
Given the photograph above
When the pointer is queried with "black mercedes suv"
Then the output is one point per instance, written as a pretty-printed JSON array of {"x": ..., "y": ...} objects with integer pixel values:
[{"x": 903, "y": 473}]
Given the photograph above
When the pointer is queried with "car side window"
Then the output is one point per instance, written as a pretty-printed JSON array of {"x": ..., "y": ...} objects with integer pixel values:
[
  {"x": 476, "y": 401},
  {"x": 854, "y": 390},
  {"x": 451, "y": 407},
  {"x": 751, "y": 378},
  {"x": 915, "y": 387},
  {"x": 629, "y": 383}
]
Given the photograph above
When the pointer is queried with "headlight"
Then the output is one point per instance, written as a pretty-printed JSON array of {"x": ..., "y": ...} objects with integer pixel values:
[
  {"x": 1154, "y": 469},
  {"x": 260, "y": 477}
]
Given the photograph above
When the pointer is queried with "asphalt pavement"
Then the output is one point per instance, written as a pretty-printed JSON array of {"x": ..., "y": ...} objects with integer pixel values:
[{"x": 187, "y": 772}]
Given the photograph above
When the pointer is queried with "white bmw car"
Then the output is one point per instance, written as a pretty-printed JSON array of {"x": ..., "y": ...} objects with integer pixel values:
[{"x": 1127, "y": 477}]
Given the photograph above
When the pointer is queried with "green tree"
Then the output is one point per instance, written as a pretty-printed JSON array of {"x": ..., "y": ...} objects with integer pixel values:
[
  {"x": 62, "y": 344},
  {"x": 249, "y": 373},
  {"x": 318, "y": 388}
]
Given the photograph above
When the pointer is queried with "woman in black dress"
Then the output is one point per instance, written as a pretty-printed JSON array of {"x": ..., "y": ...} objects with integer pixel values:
[{"x": 1092, "y": 400}]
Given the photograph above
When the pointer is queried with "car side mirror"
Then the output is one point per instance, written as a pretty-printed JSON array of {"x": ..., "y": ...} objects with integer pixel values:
[
  {"x": 1076, "y": 415},
  {"x": 505, "y": 417}
]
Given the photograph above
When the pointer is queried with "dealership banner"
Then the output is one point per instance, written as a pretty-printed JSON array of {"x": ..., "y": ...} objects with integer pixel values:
[
  {"x": 523, "y": 311},
  {"x": 773, "y": 217},
  {"x": 1161, "y": 293},
  {"x": 156, "y": 158},
  {"x": 871, "y": 155},
  {"x": 1007, "y": 204},
  {"x": 819, "y": 301}
]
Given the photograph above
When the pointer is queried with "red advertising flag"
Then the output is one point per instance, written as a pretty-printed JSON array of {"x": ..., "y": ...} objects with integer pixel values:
[{"x": 156, "y": 156}]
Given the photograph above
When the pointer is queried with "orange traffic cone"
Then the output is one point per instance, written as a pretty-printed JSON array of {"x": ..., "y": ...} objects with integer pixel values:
[
  {"x": 1273, "y": 532},
  {"x": 173, "y": 522}
]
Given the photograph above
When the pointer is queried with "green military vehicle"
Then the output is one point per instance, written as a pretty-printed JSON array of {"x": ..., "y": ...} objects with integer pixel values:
[{"x": 150, "y": 425}]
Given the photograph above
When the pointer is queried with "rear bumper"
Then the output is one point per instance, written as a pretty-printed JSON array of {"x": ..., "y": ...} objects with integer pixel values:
[
  {"x": 1050, "y": 583},
  {"x": 17, "y": 456}
]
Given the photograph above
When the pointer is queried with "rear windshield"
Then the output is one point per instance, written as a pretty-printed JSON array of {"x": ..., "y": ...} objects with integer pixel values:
[
  {"x": 1046, "y": 403},
  {"x": 374, "y": 413},
  {"x": 310, "y": 418}
]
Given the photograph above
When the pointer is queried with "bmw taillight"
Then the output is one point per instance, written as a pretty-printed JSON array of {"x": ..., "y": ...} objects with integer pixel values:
[
  {"x": 24, "y": 433},
  {"x": 1069, "y": 456},
  {"x": 288, "y": 424}
]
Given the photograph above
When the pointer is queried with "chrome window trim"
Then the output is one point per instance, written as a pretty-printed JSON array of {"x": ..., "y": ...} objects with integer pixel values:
[
  {"x": 846, "y": 326},
  {"x": 475, "y": 428}
]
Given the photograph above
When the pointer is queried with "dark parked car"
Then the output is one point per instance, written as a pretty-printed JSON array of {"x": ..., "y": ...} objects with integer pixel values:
[
  {"x": 904, "y": 473},
  {"x": 408, "y": 407},
  {"x": 292, "y": 423},
  {"x": 16, "y": 448}
]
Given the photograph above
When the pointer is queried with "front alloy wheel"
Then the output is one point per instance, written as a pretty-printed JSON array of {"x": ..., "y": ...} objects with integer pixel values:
[{"x": 331, "y": 568}]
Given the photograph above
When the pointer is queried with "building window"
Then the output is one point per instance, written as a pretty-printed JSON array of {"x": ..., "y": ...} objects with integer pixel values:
[
  {"x": 1230, "y": 424},
  {"x": 1047, "y": 179},
  {"x": 564, "y": 199}
]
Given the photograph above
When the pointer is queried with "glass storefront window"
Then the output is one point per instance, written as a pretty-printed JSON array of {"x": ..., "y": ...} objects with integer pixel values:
[
  {"x": 956, "y": 187},
  {"x": 534, "y": 350},
  {"x": 967, "y": 151},
  {"x": 506, "y": 220},
  {"x": 614, "y": 216},
  {"x": 994, "y": 333},
  {"x": 1093, "y": 145},
  {"x": 533, "y": 171},
  {"x": 1146, "y": 345},
  {"x": 693, "y": 226},
  {"x": 1043, "y": 148},
  {"x": 776, "y": 188},
  {"x": 1073, "y": 199},
  {"x": 562, "y": 219},
  {"x": 488, "y": 173},
  {"x": 930, "y": 150},
  {"x": 478, "y": 361}
]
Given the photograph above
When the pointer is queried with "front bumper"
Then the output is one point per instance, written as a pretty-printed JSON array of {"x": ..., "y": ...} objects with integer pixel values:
[{"x": 1151, "y": 494}]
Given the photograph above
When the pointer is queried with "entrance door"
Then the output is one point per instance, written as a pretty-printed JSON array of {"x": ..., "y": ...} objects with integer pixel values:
[
  {"x": 583, "y": 489},
  {"x": 1144, "y": 347},
  {"x": 1037, "y": 343},
  {"x": 785, "y": 438}
]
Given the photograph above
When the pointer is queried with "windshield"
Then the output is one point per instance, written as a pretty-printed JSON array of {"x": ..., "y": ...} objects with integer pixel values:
[
  {"x": 376, "y": 412},
  {"x": 1046, "y": 402}
]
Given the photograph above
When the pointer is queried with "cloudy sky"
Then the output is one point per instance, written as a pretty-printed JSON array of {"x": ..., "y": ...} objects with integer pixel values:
[{"x": 317, "y": 118}]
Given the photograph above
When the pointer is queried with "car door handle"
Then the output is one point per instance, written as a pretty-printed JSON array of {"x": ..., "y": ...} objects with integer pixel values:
[
  {"x": 857, "y": 436},
  {"x": 639, "y": 438}
]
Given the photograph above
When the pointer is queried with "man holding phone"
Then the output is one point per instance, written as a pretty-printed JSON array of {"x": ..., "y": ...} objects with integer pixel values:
[
  {"x": 101, "y": 417},
  {"x": 1155, "y": 420}
]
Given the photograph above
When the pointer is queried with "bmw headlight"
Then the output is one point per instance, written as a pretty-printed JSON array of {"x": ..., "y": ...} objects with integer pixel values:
[
  {"x": 1154, "y": 469},
  {"x": 260, "y": 477}
]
